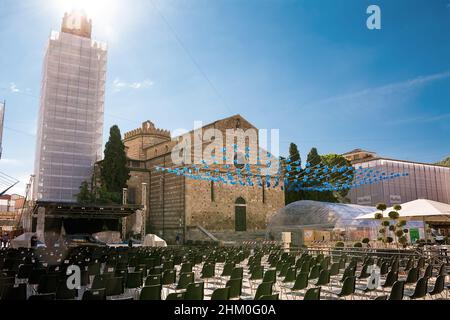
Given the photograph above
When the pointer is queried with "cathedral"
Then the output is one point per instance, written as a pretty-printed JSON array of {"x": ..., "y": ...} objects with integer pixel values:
[{"x": 174, "y": 204}]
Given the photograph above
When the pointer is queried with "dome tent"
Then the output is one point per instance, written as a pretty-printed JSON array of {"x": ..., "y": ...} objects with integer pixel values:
[
  {"x": 315, "y": 215},
  {"x": 320, "y": 214}
]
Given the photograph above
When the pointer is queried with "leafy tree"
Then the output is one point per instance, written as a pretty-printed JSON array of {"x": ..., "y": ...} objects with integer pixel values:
[
  {"x": 444, "y": 162},
  {"x": 114, "y": 171},
  {"x": 329, "y": 160},
  {"x": 103, "y": 196},
  {"x": 291, "y": 195},
  {"x": 114, "y": 174},
  {"x": 381, "y": 206},
  {"x": 294, "y": 154},
  {"x": 403, "y": 240},
  {"x": 379, "y": 216},
  {"x": 313, "y": 157},
  {"x": 85, "y": 194},
  {"x": 339, "y": 161},
  {"x": 395, "y": 228},
  {"x": 393, "y": 215}
]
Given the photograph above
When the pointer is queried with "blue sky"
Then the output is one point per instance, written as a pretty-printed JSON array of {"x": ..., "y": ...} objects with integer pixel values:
[{"x": 309, "y": 68}]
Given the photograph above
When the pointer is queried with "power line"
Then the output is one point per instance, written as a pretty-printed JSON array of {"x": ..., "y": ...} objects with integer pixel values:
[
  {"x": 191, "y": 57},
  {"x": 6, "y": 178},
  {"x": 7, "y": 182},
  {"x": 36, "y": 97},
  {"x": 19, "y": 131}
]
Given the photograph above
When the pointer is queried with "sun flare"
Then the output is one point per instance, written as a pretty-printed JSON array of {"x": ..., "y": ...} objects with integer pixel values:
[{"x": 102, "y": 12}]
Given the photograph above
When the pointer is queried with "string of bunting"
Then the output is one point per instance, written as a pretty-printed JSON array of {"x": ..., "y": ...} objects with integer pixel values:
[{"x": 320, "y": 177}]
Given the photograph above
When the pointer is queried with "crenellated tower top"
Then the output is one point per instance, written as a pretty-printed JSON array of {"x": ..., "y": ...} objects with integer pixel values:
[
  {"x": 148, "y": 128},
  {"x": 77, "y": 23}
]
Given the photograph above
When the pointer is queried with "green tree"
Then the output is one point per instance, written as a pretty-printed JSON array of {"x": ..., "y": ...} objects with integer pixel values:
[
  {"x": 313, "y": 157},
  {"x": 103, "y": 196},
  {"x": 290, "y": 195},
  {"x": 114, "y": 171},
  {"x": 444, "y": 162},
  {"x": 396, "y": 228},
  {"x": 85, "y": 194},
  {"x": 339, "y": 161},
  {"x": 329, "y": 160},
  {"x": 383, "y": 224},
  {"x": 294, "y": 154}
]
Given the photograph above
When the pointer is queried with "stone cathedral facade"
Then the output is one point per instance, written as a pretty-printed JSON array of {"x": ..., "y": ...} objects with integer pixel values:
[{"x": 174, "y": 204}]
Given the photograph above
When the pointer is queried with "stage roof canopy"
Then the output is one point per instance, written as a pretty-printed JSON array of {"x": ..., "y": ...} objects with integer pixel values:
[{"x": 71, "y": 210}]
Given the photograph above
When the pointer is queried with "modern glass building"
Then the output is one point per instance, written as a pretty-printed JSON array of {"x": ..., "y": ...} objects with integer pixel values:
[
  {"x": 70, "y": 124},
  {"x": 424, "y": 181}
]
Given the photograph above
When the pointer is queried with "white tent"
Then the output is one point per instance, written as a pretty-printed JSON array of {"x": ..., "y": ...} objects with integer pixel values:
[
  {"x": 22, "y": 241},
  {"x": 152, "y": 240},
  {"x": 417, "y": 210}
]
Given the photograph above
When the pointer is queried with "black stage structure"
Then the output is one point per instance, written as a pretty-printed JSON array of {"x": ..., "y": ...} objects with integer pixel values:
[{"x": 81, "y": 217}]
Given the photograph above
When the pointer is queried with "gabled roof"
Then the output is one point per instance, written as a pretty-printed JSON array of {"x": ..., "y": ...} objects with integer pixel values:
[
  {"x": 398, "y": 160},
  {"x": 357, "y": 150},
  {"x": 173, "y": 139}
]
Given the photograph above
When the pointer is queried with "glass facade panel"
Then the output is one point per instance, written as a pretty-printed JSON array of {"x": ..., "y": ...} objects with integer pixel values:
[{"x": 425, "y": 181}]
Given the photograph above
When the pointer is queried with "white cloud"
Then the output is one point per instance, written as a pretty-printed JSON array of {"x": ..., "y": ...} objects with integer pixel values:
[
  {"x": 424, "y": 119},
  {"x": 119, "y": 85},
  {"x": 10, "y": 162},
  {"x": 13, "y": 87},
  {"x": 385, "y": 90}
]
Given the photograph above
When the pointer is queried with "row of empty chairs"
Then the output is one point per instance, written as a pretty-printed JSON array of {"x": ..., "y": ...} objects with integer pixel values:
[{"x": 264, "y": 272}]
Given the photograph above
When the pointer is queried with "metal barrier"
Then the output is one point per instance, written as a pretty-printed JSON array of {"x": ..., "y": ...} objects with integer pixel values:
[{"x": 434, "y": 255}]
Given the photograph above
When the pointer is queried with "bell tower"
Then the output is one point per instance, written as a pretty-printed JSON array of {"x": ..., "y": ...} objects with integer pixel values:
[{"x": 77, "y": 23}]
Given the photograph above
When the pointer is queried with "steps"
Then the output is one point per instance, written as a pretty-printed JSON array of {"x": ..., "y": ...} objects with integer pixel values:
[
  {"x": 239, "y": 236},
  {"x": 198, "y": 233}
]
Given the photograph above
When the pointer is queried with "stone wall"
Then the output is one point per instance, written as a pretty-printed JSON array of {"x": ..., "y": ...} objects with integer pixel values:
[
  {"x": 175, "y": 203},
  {"x": 137, "y": 177},
  {"x": 140, "y": 139},
  {"x": 218, "y": 214}
]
